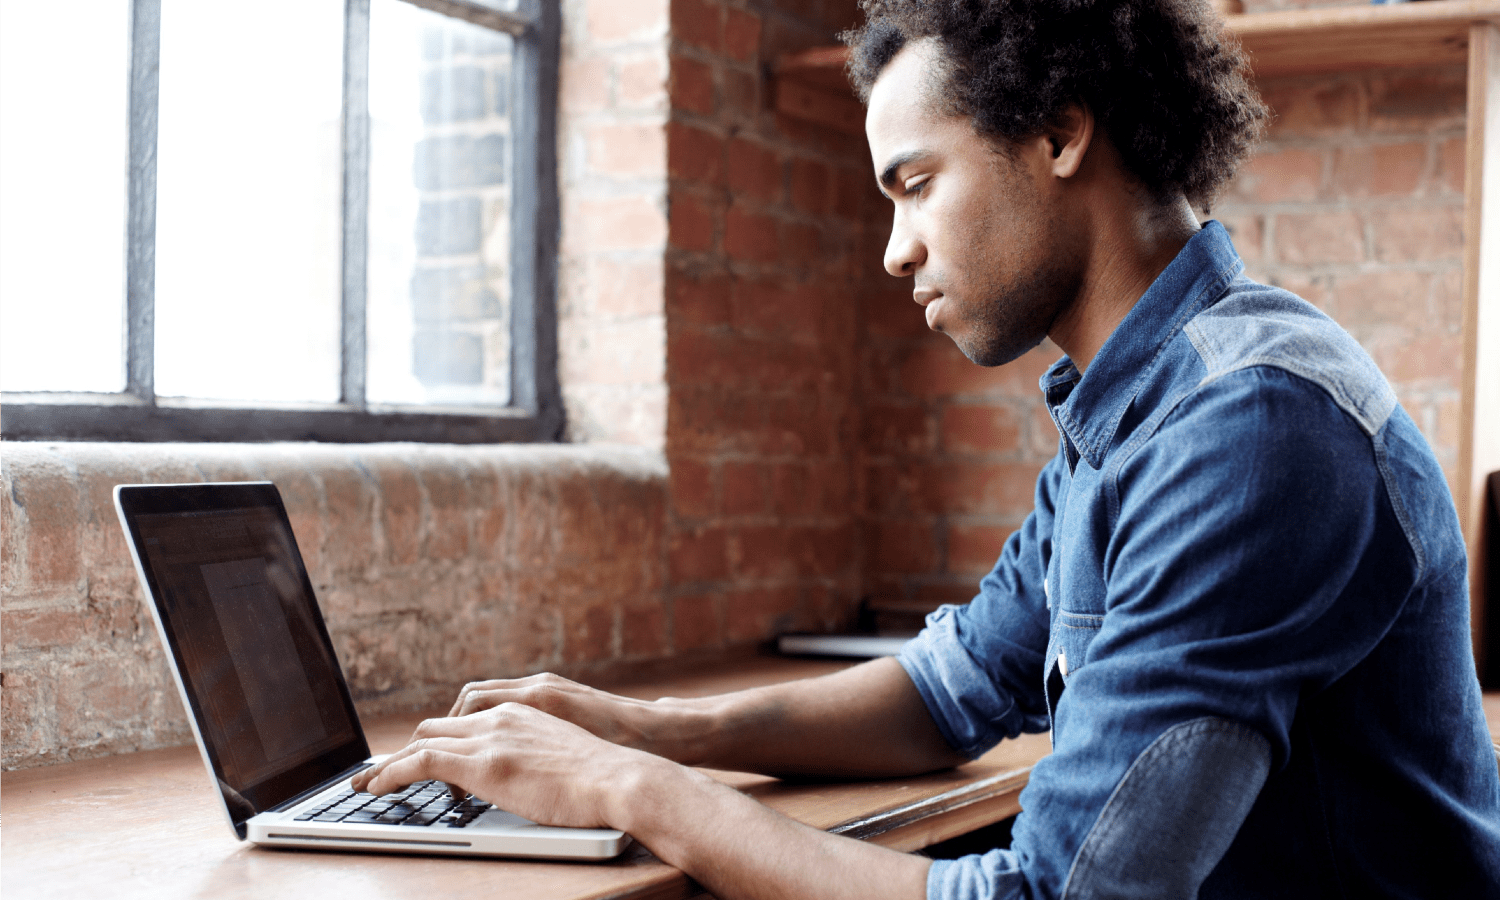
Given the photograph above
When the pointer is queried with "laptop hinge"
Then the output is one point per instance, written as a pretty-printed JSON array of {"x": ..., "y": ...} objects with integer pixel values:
[{"x": 318, "y": 788}]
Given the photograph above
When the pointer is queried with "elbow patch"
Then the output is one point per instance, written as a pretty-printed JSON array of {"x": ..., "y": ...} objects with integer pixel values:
[{"x": 1174, "y": 814}]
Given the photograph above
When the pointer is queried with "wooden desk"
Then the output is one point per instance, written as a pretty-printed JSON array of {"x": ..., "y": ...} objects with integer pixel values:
[{"x": 148, "y": 825}]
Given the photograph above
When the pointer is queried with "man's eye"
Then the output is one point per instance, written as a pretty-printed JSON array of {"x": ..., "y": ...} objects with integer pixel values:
[{"x": 918, "y": 185}]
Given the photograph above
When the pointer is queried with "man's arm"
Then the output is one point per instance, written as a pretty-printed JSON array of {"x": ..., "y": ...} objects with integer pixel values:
[
  {"x": 866, "y": 721},
  {"x": 556, "y": 773}
]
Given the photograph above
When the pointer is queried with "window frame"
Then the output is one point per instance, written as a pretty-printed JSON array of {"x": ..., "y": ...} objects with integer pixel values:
[{"x": 535, "y": 412}]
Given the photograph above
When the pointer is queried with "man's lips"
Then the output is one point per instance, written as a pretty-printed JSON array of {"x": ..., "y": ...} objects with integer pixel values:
[{"x": 932, "y": 300}]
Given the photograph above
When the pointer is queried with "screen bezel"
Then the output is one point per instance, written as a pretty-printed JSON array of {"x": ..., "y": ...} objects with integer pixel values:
[{"x": 134, "y": 501}]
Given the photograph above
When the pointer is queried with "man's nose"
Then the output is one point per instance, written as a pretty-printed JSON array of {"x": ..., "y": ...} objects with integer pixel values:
[{"x": 903, "y": 252}]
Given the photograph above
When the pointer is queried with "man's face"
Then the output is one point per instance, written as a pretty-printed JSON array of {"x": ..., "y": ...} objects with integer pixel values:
[{"x": 980, "y": 232}]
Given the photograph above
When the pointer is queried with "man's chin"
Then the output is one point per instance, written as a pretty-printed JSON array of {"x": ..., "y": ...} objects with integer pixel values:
[{"x": 992, "y": 354}]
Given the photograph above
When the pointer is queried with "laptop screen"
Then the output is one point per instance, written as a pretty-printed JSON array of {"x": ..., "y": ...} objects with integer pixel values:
[{"x": 250, "y": 645}]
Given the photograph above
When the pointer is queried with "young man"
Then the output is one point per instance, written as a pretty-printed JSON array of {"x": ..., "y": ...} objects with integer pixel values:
[{"x": 1240, "y": 604}]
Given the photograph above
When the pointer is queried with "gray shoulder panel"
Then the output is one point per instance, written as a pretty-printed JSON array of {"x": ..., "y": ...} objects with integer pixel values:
[
  {"x": 1262, "y": 326},
  {"x": 1174, "y": 814}
]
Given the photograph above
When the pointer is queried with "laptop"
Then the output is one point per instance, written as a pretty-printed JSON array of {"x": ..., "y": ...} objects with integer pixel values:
[{"x": 268, "y": 702}]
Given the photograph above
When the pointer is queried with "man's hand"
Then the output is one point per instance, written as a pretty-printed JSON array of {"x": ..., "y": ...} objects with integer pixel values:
[
  {"x": 661, "y": 727},
  {"x": 536, "y": 765},
  {"x": 865, "y": 721},
  {"x": 520, "y": 759}
]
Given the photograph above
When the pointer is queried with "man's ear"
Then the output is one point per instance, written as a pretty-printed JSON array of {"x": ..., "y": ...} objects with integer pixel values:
[{"x": 1069, "y": 137}]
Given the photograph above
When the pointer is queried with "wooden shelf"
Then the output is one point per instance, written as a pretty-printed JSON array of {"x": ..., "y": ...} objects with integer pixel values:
[{"x": 811, "y": 85}]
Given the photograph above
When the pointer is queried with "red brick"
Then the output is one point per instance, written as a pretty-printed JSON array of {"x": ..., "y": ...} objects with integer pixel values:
[
  {"x": 588, "y": 633},
  {"x": 889, "y": 311},
  {"x": 953, "y": 488},
  {"x": 643, "y": 630},
  {"x": 692, "y": 224},
  {"x": 973, "y": 549},
  {"x": 725, "y": 359},
  {"x": 757, "y": 615},
  {"x": 449, "y": 505},
  {"x": 620, "y": 223},
  {"x": 583, "y": 84},
  {"x": 1317, "y": 109},
  {"x": 856, "y": 197},
  {"x": 1320, "y": 238},
  {"x": 1419, "y": 235},
  {"x": 774, "y": 310},
  {"x": 48, "y": 493},
  {"x": 350, "y": 497},
  {"x": 754, "y": 170},
  {"x": 902, "y": 547},
  {"x": 812, "y": 186},
  {"x": 798, "y": 423},
  {"x": 691, "y": 86},
  {"x": 691, "y": 486},
  {"x": 698, "y": 555},
  {"x": 981, "y": 429},
  {"x": 1385, "y": 170},
  {"x": 744, "y": 489},
  {"x": 801, "y": 245},
  {"x": 778, "y": 551},
  {"x": 27, "y": 720},
  {"x": 1408, "y": 102},
  {"x": 1248, "y": 234},
  {"x": 741, "y": 35},
  {"x": 897, "y": 429},
  {"x": 627, "y": 288},
  {"x": 12, "y": 538},
  {"x": 700, "y": 298},
  {"x": 1377, "y": 299},
  {"x": 29, "y": 629},
  {"x": 695, "y": 622},
  {"x": 699, "y": 23},
  {"x": 627, "y": 149},
  {"x": 796, "y": 490},
  {"x": 1043, "y": 437},
  {"x": 616, "y": 20},
  {"x": 749, "y": 236},
  {"x": 489, "y": 513},
  {"x": 935, "y": 595},
  {"x": 643, "y": 83},
  {"x": 1430, "y": 358},
  {"x": 742, "y": 96},
  {"x": 1451, "y": 165},
  {"x": 1448, "y": 296},
  {"x": 694, "y": 154},
  {"x": 1276, "y": 176},
  {"x": 400, "y": 511},
  {"x": 938, "y": 369}
]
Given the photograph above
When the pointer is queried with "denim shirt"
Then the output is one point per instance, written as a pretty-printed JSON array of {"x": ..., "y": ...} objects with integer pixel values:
[{"x": 1241, "y": 607}]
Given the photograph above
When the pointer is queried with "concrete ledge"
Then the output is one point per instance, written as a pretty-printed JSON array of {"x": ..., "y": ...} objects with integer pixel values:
[{"x": 435, "y": 565}]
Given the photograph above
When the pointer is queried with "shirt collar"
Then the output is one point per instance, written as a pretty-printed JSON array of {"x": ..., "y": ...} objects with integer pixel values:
[{"x": 1088, "y": 408}]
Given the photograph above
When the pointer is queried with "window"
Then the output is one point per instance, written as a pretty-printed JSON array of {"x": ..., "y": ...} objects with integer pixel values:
[{"x": 286, "y": 220}]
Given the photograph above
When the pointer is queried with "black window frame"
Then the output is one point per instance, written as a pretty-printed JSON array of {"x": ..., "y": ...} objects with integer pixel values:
[{"x": 535, "y": 412}]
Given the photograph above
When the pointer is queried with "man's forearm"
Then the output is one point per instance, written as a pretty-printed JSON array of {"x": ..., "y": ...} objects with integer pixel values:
[
  {"x": 866, "y": 721},
  {"x": 738, "y": 848}
]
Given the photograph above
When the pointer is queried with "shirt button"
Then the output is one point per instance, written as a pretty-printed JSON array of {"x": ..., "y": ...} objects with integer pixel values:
[
  {"x": 1062, "y": 663},
  {"x": 1046, "y": 588}
]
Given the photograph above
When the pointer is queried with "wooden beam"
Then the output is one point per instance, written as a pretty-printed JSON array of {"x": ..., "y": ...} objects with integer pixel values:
[
  {"x": 1479, "y": 438},
  {"x": 1342, "y": 39}
]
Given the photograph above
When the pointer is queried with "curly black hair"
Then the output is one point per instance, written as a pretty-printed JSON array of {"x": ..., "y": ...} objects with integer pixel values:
[{"x": 1165, "y": 81}]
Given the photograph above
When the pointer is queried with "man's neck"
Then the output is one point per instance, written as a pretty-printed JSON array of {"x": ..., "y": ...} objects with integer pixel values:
[{"x": 1133, "y": 244}]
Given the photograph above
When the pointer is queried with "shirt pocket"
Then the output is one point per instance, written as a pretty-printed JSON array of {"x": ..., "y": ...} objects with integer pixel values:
[{"x": 1067, "y": 651}]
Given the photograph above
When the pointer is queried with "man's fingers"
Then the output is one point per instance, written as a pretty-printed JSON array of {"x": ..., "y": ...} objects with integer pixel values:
[{"x": 428, "y": 759}]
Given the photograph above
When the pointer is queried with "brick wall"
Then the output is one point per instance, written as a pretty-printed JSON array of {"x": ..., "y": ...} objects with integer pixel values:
[
  {"x": 768, "y": 257},
  {"x": 433, "y": 565}
]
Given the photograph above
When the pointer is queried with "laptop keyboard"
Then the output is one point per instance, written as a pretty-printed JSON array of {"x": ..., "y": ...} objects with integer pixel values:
[{"x": 424, "y": 803}]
